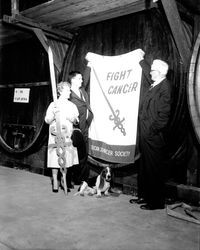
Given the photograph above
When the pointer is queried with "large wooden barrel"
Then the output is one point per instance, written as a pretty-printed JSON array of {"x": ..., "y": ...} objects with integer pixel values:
[
  {"x": 24, "y": 73},
  {"x": 22, "y": 124},
  {"x": 146, "y": 30},
  {"x": 194, "y": 88}
]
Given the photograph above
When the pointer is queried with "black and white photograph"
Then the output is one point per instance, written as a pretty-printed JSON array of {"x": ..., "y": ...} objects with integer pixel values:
[{"x": 99, "y": 124}]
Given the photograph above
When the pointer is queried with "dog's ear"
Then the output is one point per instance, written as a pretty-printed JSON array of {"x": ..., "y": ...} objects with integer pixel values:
[
  {"x": 102, "y": 178},
  {"x": 111, "y": 171},
  {"x": 103, "y": 173}
]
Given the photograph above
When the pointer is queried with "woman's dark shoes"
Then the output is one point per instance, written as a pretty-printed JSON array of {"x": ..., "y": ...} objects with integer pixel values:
[
  {"x": 55, "y": 190},
  {"x": 137, "y": 201},
  {"x": 150, "y": 207}
]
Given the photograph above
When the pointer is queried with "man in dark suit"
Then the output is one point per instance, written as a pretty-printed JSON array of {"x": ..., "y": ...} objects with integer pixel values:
[
  {"x": 154, "y": 115},
  {"x": 80, "y": 98}
]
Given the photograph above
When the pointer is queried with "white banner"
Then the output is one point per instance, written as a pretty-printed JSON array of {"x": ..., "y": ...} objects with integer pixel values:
[{"x": 114, "y": 98}]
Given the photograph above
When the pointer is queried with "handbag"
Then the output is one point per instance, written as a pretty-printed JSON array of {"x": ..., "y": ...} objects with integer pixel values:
[
  {"x": 78, "y": 141},
  {"x": 77, "y": 137}
]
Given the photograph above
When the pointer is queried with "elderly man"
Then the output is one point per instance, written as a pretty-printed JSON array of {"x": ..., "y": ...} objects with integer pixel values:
[{"x": 153, "y": 120}]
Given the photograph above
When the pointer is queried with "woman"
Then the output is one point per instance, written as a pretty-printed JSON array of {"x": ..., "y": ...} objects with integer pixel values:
[{"x": 65, "y": 113}]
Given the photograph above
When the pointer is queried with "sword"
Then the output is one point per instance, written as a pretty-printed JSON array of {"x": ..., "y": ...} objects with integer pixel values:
[
  {"x": 115, "y": 114},
  {"x": 59, "y": 138}
]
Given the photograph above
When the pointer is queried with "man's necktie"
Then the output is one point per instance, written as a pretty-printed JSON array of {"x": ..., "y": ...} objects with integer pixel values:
[
  {"x": 82, "y": 96},
  {"x": 151, "y": 86}
]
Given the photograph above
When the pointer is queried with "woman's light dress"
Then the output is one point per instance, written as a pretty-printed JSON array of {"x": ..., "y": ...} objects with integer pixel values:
[{"x": 68, "y": 112}]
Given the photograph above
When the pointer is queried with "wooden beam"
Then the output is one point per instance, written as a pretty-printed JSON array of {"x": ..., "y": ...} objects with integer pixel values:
[
  {"x": 26, "y": 22},
  {"x": 24, "y": 85},
  {"x": 84, "y": 18},
  {"x": 44, "y": 41},
  {"x": 9, "y": 35},
  {"x": 184, "y": 48}
]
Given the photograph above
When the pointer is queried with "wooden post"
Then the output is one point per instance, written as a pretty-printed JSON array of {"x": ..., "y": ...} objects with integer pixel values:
[
  {"x": 14, "y": 7},
  {"x": 175, "y": 24}
]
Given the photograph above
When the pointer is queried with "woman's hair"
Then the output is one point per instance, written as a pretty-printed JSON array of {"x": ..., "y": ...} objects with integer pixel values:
[
  {"x": 72, "y": 74},
  {"x": 60, "y": 87}
]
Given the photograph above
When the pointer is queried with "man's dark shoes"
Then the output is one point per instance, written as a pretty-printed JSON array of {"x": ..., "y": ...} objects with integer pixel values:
[
  {"x": 150, "y": 207},
  {"x": 137, "y": 201},
  {"x": 141, "y": 201}
]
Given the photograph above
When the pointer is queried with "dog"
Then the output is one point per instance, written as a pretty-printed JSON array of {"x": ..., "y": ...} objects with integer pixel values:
[
  {"x": 98, "y": 187},
  {"x": 103, "y": 180}
]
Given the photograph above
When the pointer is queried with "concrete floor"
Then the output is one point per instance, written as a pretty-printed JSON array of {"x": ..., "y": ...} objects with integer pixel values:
[{"x": 34, "y": 218}]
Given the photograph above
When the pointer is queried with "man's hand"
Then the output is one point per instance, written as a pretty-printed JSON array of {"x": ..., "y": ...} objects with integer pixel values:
[{"x": 139, "y": 54}]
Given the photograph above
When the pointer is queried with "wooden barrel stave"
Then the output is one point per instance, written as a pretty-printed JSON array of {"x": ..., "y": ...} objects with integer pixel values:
[{"x": 193, "y": 89}]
